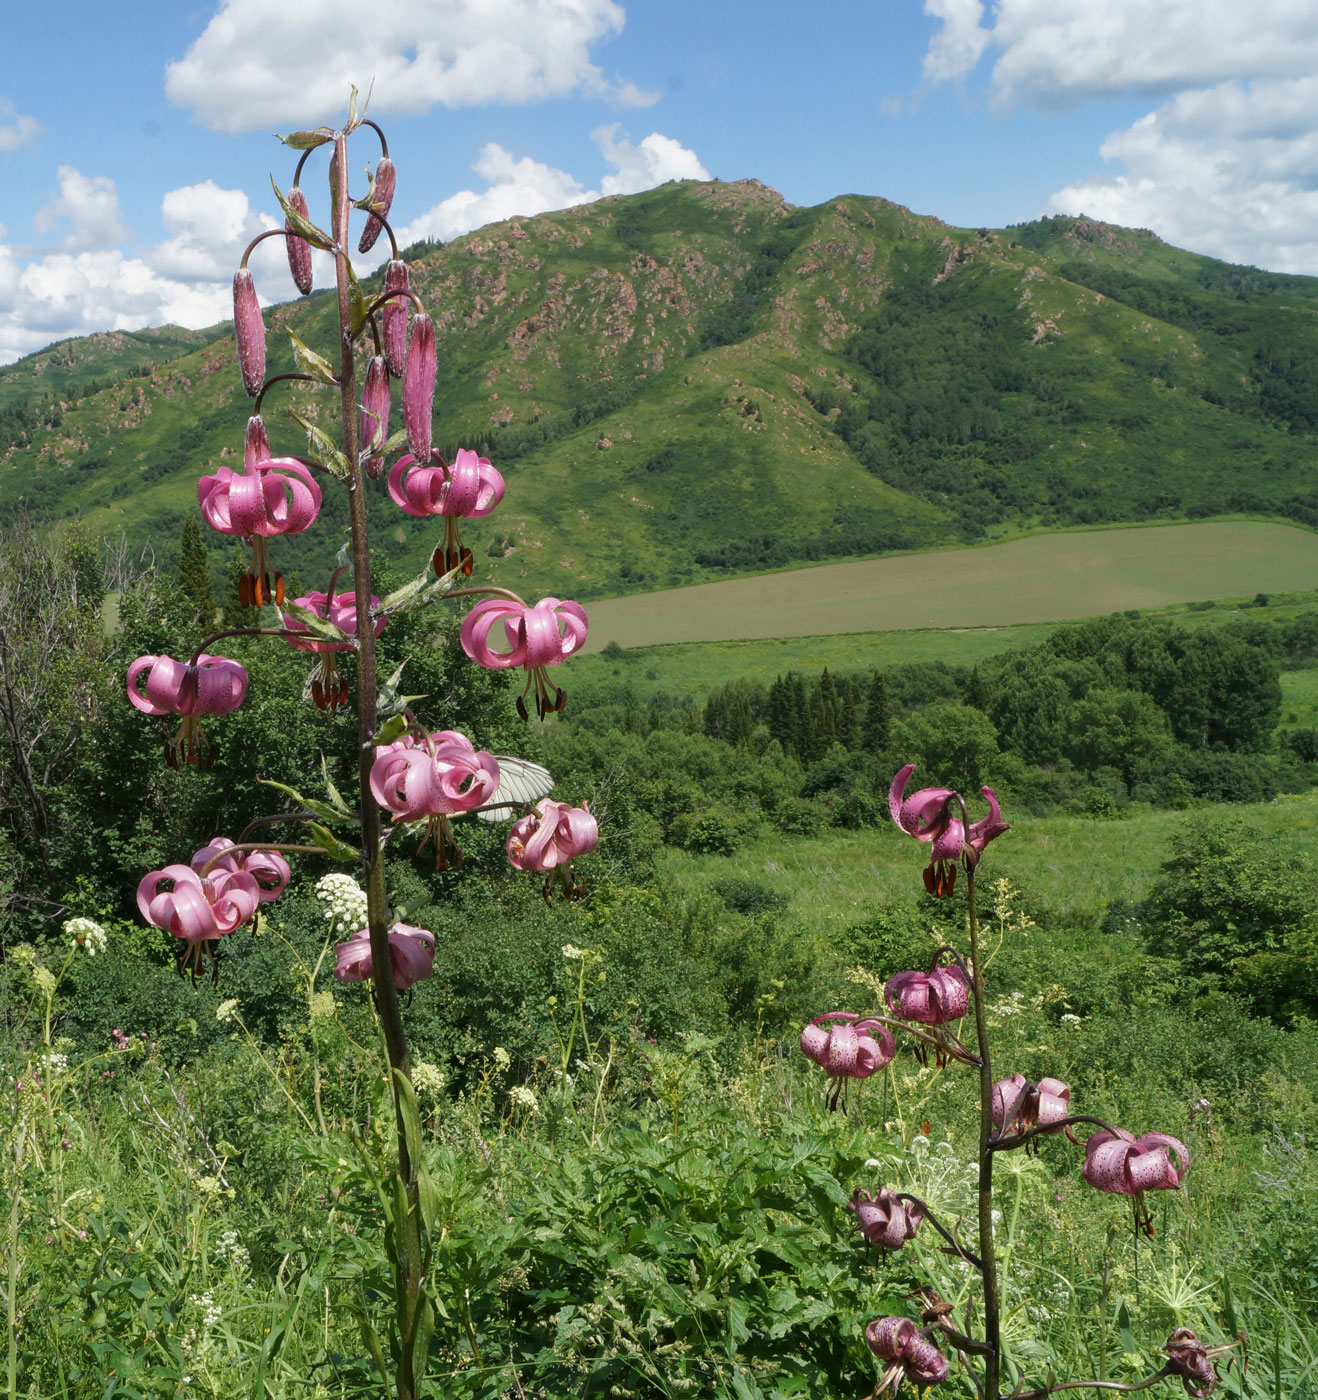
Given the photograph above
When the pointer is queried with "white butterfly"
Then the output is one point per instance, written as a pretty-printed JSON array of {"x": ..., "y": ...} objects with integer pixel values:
[{"x": 521, "y": 784}]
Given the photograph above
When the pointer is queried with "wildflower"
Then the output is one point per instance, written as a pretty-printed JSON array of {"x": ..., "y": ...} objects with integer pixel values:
[
  {"x": 435, "y": 778},
  {"x": 419, "y": 386},
  {"x": 271, "y": 496},
  {"x": 328, "y": 688},
  {"x": 208, "y": 685},
  {"x": 378, "y": 202},
  {"x": 470, "y": 487},
  {"x": 524, "y": 1097},
  {"x": 249, "y": 332},
  {"x": 1048, "y": 1101},
  {"x": 1188, "y": 1358},
  {"x": 897, "y": 1340},
  {"x": 374, "y": 426},
  {"x": 885, "y": 1220},
  {"x": 197, "y": 910},
  {"x": 411, "y": 955},
  {"x": 299, "y": 250},
  {"x": 537, "y": 637},
  {"x": 86, "y": 934},
  {"x": 932, "y": 815},
  {"x": 548, "y": 839},
  {"x": 427, "y": 1079},
  {"x": 268, "y": 868},
  {"x": 853, "y": 1050},
  {"x": 344, "y": 900},
  {"x": 935, "y": 997},
  {"x": 1123, "y": 1165},
  {"x": 393, "y": 316}
]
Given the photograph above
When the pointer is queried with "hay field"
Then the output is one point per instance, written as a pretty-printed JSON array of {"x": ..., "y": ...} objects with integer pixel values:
[{"x": 1044, "y": 578}]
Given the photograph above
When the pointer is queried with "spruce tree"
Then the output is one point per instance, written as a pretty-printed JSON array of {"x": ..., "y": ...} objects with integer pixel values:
[
  {"x": 848, "y": 717},
  {"x": 194, "y": 575},
  {"x": 976, "y": 692},
  {"x": 826, "y": 711},
  {"x": 878, "y": 717}
]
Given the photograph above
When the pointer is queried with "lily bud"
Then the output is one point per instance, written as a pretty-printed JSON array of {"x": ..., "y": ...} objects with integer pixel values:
[
  {"x": 419, "y": 386},
  {"x": 299, "y": 250},
  {"x": 375, "y": 416},
  {"x": 382, "y": 196},
  {"x": 393, "y": 317},
  {"x": 256, "y": 447},
  {"x": 249, "y": 330}
]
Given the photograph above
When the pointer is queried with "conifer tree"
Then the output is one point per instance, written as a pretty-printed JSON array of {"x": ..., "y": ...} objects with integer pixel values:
[
  {"x": 976, "y": 692},
  {"x": 848, "y": 717},
  {"x": 878, "y": 717},
  {"x": 194, "y": 575},
  {"x": 826, "y": 712}
]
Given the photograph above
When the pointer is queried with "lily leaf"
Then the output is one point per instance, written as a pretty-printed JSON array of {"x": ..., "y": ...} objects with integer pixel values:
[
  {"x": 317, "y": 366},
  {"x": 331, "y": 845},
  {"x": 335, "y": 796},
  {"x": 310, "y": 804},
  {"x": 323, "y": 448},
  {"x": 393, "y": 728},
  {"x": 356, "y": 303},
  {"x": 300, "y": 224},
  {"x": 306, "y": 140},
  {"x": 394, "y": 441},
  {"x": 420, "y": 592},
  {"x": 319, "y": 625}
]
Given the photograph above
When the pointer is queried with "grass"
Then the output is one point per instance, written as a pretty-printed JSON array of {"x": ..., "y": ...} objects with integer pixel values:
[
  {"x": 1072, "y": 865},
  {"x": 1042, "y": 578}
]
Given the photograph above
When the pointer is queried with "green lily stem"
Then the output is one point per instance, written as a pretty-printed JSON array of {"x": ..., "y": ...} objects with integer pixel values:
[
  {"x": 1094, "y": 1385},
  {"x": 989, "y": 1268},
  {"x": 407, "y": 1231}
]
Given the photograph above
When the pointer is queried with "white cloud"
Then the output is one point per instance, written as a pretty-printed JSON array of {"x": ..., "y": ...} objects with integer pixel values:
[
  {"x": 959, "y": 44},
  {"x": 255, "y": 65},
  {"x": 16, "y": 130},
  {"x": 86, "y": 209},
  {"x": 525, "y": 187},
  {"x": 210, "y": 228},
  {"x": 1228, "y": 171}
]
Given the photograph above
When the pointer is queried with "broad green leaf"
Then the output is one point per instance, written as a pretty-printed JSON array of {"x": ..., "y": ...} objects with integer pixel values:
[
  {"x": 323, "y": 448},
  {"x": 1127, "y": 1332},
  {"x": 425, "y": 1327},
  {"x": 392, "y": 729},
  {"x": 394, "y": 441},
  {"x": 319, "y": 809},
  {"x": 335, "y": 796},
  {"x": 300, "y": 224},
  {"x": 309, "y": 362},
  {"x": 319, "y": 626},
  {"x": 420, "y": 592},
  {"x": 371, "y": 1341},
  {"x": 306, "y": 140},
  {"x": 410, "y": 1115},
  {"x": 331, "y": 845}
]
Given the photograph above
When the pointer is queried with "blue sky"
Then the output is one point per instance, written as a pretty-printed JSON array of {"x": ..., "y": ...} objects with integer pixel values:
[{"x": 135, "y": 145}]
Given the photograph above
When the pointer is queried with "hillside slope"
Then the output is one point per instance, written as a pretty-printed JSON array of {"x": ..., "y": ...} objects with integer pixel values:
[{"x": 701, "y": 380}]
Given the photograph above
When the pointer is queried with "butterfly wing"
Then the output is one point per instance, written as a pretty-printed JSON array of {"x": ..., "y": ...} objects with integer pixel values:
[{"x": 521, "y": 784}]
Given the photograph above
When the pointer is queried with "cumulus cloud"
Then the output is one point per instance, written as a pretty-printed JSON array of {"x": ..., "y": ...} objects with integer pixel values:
[
  {"x": 85, "y": 213},
  {"x": 525, "y": 187},
  {"x": 1228, "y": 170},
  {"x": 959, "y": 44},
  {"x": 16, "y": 130},
  {"x": 254, "y": 65}
]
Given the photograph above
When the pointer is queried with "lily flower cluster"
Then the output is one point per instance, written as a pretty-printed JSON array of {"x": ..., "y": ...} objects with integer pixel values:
[{"x": 936, "y": 817}]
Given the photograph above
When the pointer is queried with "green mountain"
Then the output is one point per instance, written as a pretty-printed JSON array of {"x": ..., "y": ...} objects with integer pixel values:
[{"x": 702, "y": 379}]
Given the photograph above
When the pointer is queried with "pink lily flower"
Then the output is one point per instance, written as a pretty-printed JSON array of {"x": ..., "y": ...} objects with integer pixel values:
[
  {"x": 855, "y": 1049},
  {"x": 435, "y": 778},
  {"x": 537, "y": 637},
  {"x": 419, "y": 386},
  {"x": 1048, "y": 1101},
  {"x": 272, "y": 496},
  {"x": 328, "y": 688},
  {"x": 897, "y": 1340},
  {"x": 393, "y": 316},
  {"x": 411, "y": 956},
  {"x": 933, "y": 998},
  {"x": 211, "y": 685},
  {"x": 885, "y": 1220},
  {"x": 1124, "y": 1165},
  {"x": 268, "y": 868},
  {"x": 549, "y": 839},
  {"x": 470, "y": 487},
  {"x": 197, "y": 910},
  {"x": 933, "y": 815},
  {"x": 1188, "y": 1358}
]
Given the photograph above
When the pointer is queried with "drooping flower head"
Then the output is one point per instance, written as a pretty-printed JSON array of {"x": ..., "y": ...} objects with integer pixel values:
[
  {"x": 897, "y": 1340},
  {"x": 433, "y": 778},
  {"x": 211, "y": 685},
  {"x": 198, "y": 910},
  {"x": 299, "y": 250},
  {"x": 249, "y": 332},
  {"x": 1029, "y": 1105},
  {"x": 852, "y": 1049},
  {"x": 271, "y": 496},
  {"x": 885, "y": 1220},
  {"x": 1124, "y": 1165},
  {"x": 268, "y": 868},
  {"x": 381, "y": 197},
  {"x": 328, "y": 688},
  {"x": 933, "y": 815},
  {"x": 411, "y": 956},
  {"x": 537, "y": 637},
  {"x": 468, "y": 487},
  {"x": 933, "y": 998},
  {"x": 393, "y": 316},
  {"x": 1188, "y": 1358},
  {"x": 419, "y": 386},
  {"x": 549, "y": 839},
  {"x": 373, "y": 428}
]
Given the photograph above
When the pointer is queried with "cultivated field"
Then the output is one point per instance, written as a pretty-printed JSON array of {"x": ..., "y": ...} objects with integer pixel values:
[{"x": 1045, "y": 578}]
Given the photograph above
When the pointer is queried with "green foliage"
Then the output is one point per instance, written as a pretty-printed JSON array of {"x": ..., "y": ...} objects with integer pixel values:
[{"x": 194, "y": 576}]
